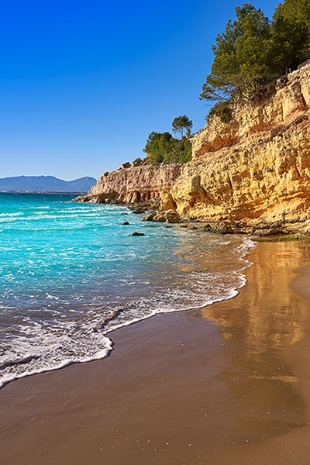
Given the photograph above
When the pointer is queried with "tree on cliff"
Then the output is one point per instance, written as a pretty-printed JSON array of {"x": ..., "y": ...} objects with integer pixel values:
[
  {"x": 290, "y": 34},
  {"x": 239, "y": 67},
  {"x": 158, "y": 146},
  {"x": 181, "y": 125},
  {"x": 253, "y": 52}
]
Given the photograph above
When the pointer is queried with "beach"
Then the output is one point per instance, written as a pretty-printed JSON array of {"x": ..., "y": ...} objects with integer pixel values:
[{"x": 226, "y": 384}]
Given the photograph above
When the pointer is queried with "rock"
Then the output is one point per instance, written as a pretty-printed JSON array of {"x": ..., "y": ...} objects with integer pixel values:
[
  {"x": 160, "y": 217},
  {"x": 139, "y": 210},
  {"x": 172, "y": 216},
  {"x": 222, "y": 228},
  {"x": 125, "y": 223},
  {"x": 149, "y": 216},
  {"x": 140, "y": 184},
  {"x": 126, "y": 165},
  {"x": 138, "y": 161},
  {"x": 137, "y": 234},
  {"x": 256, "y": 168},
  {"x": 83, "y": 198},
  {"x": 167, "y": 202},
  {"x": 266, "y": 232}
]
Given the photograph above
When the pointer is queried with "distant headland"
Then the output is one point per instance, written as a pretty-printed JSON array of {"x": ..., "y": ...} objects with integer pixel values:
[{"x": 41, "y": 184}]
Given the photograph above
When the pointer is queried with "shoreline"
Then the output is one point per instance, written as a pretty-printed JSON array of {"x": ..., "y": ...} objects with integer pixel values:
[{"x": 215, "y": 385}]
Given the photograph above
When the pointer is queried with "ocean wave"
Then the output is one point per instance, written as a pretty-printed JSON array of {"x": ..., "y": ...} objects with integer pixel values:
[
  {"x": 68, "y": 282},
  {"x": 50, "y": 349}
]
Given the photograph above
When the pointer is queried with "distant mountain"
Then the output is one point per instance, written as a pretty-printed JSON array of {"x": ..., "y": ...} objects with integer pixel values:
[{"x": 45, "y": 184}]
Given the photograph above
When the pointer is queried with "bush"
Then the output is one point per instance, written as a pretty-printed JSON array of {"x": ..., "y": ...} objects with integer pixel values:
[
  {"x": 163, "y": 148},
  {"x": 222, "y": 110}
]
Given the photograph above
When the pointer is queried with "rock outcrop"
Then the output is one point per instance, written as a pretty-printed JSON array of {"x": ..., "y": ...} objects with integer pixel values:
[
  {"x": 254, "y": 170},
  {"x": 134, "y": 184}
]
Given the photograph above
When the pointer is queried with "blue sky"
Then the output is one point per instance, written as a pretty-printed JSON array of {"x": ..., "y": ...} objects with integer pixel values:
[{"x": 83, "y": 83}]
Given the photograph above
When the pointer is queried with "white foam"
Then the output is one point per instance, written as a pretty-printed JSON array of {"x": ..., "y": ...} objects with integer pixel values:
[{"x": 65, "y": 335}]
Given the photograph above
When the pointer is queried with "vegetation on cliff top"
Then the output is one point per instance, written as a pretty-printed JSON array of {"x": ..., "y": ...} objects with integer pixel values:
[
  {"x": 248, "y": 58},
  {"x": 164, "y": 148},
  {"x": 253, "y": 51}
]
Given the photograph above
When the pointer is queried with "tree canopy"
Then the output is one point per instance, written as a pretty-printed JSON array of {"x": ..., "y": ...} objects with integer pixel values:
[
  {"x": 164, "y": 148},
  {"x": 290, "y": 34},
  {"x": 182, "y": 124},
  {"x": 253, "y": 51}
]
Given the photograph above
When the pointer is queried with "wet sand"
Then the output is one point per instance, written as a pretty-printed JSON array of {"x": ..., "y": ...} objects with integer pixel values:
[{"x": 228, "y": 384}]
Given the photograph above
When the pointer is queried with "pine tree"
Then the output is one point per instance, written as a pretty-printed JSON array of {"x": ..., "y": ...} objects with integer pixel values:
[
  {"x": 290, "y": 34},
  {"x": 240, "y": 65}
]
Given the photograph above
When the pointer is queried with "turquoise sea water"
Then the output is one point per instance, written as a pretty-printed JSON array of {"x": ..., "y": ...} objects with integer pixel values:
[{"x": 71, "y": 272}]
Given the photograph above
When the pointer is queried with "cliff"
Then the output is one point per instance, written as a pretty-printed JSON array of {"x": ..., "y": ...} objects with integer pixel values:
[
  {"x": 134, "y": 184},
  {"x": 254, "y": 170}
]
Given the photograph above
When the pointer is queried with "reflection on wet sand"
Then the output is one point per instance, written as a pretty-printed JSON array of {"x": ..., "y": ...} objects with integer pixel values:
[
  {"x": 257, "y": 330},
  {"x": 179, "y": 389}
]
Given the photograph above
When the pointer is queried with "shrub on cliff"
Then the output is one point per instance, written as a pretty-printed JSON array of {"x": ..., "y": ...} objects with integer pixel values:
[
  {"x": 164, "y": 148},
  {"x": 222, "y": 110}
]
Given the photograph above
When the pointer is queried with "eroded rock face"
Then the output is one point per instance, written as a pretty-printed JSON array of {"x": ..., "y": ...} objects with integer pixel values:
[
  {"x": 250, "y": 174},
  {"x": 135, "y": 184},
  {"x": 255, "y": 169}
]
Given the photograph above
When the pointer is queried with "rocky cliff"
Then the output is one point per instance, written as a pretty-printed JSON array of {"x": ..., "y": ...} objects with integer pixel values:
[
  {"x": 134, "y": 184},
  {"x": 254, "y": 170}
]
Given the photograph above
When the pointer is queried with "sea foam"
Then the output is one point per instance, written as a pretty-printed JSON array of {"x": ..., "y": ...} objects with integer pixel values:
[{"x": 71, "y": 276}]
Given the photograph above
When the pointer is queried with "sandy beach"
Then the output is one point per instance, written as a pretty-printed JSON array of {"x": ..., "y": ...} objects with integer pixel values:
[{"x": 228, "y": 384}]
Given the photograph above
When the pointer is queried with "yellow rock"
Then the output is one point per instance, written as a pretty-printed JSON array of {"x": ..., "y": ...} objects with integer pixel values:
[{"x": 255, "y": 169}]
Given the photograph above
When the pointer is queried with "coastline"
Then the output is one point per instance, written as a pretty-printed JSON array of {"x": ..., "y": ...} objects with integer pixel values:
[{"x": 225, "y": 384}]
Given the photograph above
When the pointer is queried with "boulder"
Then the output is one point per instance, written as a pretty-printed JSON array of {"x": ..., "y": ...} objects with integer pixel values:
[
  {"x": 139, "y": 210},
  {"x": 172, "y": 216},
  {"x": 149, "y": 216}
]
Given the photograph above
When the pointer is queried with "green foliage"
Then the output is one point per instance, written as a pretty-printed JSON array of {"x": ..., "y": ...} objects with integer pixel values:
[
  {"x": 253, "y": 52},
  {"x": 290, "y": 34},
  {"x": 182, "y": 124},
  {"x": 157, "y": 146},
  {"x": 222, "y": 110},
  {"x": 163, "y": 148},
  {"x": 239, "y": 67}
]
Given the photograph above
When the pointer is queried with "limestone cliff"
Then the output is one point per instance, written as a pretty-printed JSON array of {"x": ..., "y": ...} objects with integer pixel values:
[
  {"x": 134, "y": 184},
  {"x": 255, "y": 169},
  {"x": 250, "y": 172}
]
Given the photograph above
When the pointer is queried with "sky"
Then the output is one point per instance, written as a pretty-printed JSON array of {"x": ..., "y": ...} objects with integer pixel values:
[{"x": 83, "y": 83}]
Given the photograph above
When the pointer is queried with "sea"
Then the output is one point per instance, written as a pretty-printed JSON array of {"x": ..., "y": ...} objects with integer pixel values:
[{"x": 73, "y": 272}]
